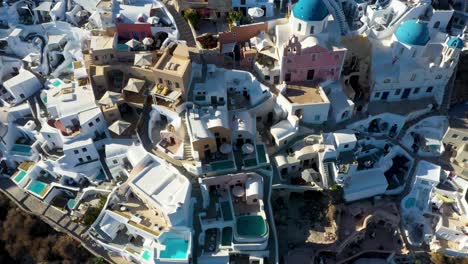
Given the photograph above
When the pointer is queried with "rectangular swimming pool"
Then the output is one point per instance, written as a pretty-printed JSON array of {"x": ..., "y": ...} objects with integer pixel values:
[
  {"x": 251, "y": 226},
  {"x": 21, "y": 149},
  {"x": 38, "y": 187},
  {"x": 222, "y": 165},
  {"x": 226, "y": 210},
  {"x": 19, "y": 176},
  {"x": 175, "y": 249}
]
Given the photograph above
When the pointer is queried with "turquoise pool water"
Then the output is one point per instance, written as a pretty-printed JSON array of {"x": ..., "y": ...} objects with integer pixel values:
[
  {"x": 261, "y": 154},
  {"x": 222, "y": 165},
  {"x": 57, "y": 83},
  {"x": 226, "y": 236},
  {"x": 71, "y": 203},
  {"x": 226, "y": 210},
  {"x": 122, "y": 47},
  {"x": 410, "y": 202},
  {"x": 101, "y": 176},
  {"x": 22, "y": 149},
  {"x": 175, "y": 249},
  {"x": 37, "y": 187},
  {"x": 251, "y": 226},
  {"x": 20, "y": 176},
  {"x": 147, "y": 256}
]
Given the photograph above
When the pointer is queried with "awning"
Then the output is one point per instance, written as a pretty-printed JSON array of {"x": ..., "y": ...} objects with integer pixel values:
[
  {"x": 44, "y": 6},
  {"x": 228, "y": 48}
]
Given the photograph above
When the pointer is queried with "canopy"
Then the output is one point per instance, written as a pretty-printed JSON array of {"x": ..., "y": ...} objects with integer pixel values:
[
  {"x": 119, "y": 127},
  {"x": 110, "y": 98},
  {"x": 134, "y": 85},
  {"x": 145, "y": 59},
  {"x": 148, "y": 41},
  {"x": 133, "y": 43}
]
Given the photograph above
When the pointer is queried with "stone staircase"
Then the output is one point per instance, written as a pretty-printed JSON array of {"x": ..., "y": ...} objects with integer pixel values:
[
  {"x": 187, "y": 145},
  {"x": 183, "y": 27}
]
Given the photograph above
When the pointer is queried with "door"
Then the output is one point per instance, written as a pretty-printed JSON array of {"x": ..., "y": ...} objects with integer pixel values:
[
  {"x": 276, "y": 79},
  {"x": 406, "y": 93},
  {"x": 214, "y": 100},
  {"x": 287, "y": 77},
  {"x": 385, "y": 95},
  {"x": 310, "y": 75}
]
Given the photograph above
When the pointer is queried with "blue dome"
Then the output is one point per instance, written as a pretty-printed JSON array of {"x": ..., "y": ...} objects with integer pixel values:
[
  {"x": 310, "y": 10},
  {"x": 412, "y": 32},
  {"x": 455, "y": 43}
]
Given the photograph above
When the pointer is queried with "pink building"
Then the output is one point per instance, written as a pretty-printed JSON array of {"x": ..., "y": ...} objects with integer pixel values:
[{"x": 309, "y": 61}]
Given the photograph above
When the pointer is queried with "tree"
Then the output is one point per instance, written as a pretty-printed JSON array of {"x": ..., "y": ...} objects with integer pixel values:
[
  {"x": 234, "y": 16},
  {"x": 192, "y": 17}
]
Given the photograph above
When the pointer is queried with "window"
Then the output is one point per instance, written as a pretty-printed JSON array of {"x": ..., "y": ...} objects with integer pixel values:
[
  {"x": 414, "y": 54},
  {"x": 177, "y": 85},
  {"x": 465, "y": 138},
  {"x": 84, "y": 149},
  {"x": 438, "y": 76},
  {"x": 429, "y": 89},
  {"x": 267, "y": 77},
  {"x": 96, "y": 58},
  {"x": 207, "y": 146},
  {"x": 346, "y": 146},
  {"x": 90, "y": 124},
  {"x": 98, "y": 120},
  {"x": 312, "y": 30},
  {"x": 454, "y": 136},
  {"x": 22, "y": 96},
  {"x": 80, "y": 160},
  {"x": 386, "y": 81},
  {"x": 216, "y": 134},
  {"x": 416, "y": 90},
  {"x": 48, "y": 136},
  {"x": 169, "y": 83},
  {"x": 76, "y": 151},
  {"x": 313, "y": 57},
  {"x": 299, "y": 27},
  {"x": 160, "y": 80},
  {"x": 115, "y": 161},
  {"x": 317, "y": 117},
  {"x": 398, "y": 91},
  {"x": 413, "y": 77},
  {"x": 88, "y": 158},
  {"x": 377, "y": 95}
]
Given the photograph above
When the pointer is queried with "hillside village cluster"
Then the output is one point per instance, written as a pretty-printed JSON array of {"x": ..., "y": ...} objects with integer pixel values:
[{"x": 253, "y": 131}]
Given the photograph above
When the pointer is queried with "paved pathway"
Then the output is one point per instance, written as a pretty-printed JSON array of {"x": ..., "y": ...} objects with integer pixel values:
[{"x": 57, "y": 219}]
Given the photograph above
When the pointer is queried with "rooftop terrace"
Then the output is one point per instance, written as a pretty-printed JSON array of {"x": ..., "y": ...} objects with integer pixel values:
[{"x": 303, "y": 94}]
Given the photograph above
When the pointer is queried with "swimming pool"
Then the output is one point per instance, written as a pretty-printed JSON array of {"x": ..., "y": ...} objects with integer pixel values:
[
  {"x": 57, "y": 83},
  {"x": 175, "y": 249},
  {"x": 21, "y": 149},
  {"x": 410, "y": 202},
  {"x": 38, "y": 187},
  {"x": 226, "y": 236},
  {"x": 251, "y": 226},
  {"x": 147, "y": 255},
  {"x": 226, "y": 210},
  {"x": 261, "y": 154},
  {"x": 71, "y": 203},
  {"x": 222, "y": 165},
  {"x": 19, "y": 176}
]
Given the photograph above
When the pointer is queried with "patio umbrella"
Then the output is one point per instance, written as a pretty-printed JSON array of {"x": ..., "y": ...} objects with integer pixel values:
[
  {"x": 31, "y": 57},
  {"x": 110, "y": 98},
  {"x": 133, "y": 43},
  {"x": 143, "y": 59},
  {"x": 134, "y": 85},
  {"x": 255, "y": 12},
  {"x": 148, "y": 41},
  {"x": 225, "y": 148},
  {"x": 119, "y": 127},
  {"x": 248, "y": 148}
]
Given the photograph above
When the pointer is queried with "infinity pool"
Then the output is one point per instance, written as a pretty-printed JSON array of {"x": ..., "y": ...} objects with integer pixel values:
[
  {"x": 19, "y": 176},
  {"x": 175, "y": 249},
  {"x": 38, "y": 187},
  {"x": 21, "y": 149}
]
